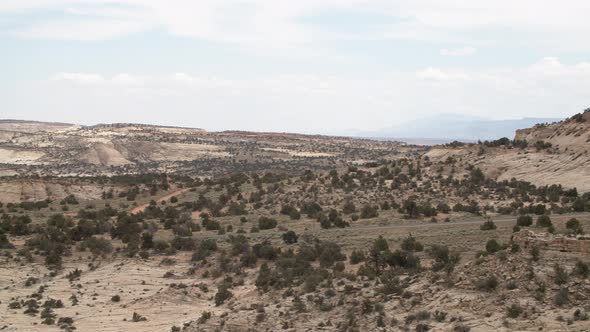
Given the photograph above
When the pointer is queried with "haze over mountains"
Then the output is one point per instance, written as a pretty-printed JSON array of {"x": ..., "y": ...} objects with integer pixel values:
[
  {"x": 447, "y": 127},
  {"x": 432, "y": 130}
]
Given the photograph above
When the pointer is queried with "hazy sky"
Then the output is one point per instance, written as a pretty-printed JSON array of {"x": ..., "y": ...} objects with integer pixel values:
[{"x": 295, "y": 65}]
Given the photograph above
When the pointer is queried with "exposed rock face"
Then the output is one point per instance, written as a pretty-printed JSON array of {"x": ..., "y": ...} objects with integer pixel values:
[
  {"x": 35, "y": 126},
  {"x": 20, "y": 190},
  {"x": 557, "y": 153},
  {"x": 69, "y": 150},
  {"x": 571, "y": 136},
  {"x": 547, "y": 241}
]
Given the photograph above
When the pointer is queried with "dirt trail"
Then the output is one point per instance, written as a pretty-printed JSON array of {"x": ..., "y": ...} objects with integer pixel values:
[{"x": 142, "y": 207}]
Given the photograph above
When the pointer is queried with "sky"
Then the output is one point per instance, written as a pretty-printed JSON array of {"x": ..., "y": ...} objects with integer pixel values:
[{"x": 310, "y": 66}]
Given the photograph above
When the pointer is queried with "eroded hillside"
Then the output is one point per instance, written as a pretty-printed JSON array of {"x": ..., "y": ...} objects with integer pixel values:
[
  {"x": 28, "y": 148},
  {"x": 399, "y": 245},
  {"x": 557, "y": 153}
]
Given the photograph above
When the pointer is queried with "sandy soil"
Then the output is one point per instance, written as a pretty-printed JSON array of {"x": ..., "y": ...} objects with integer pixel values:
[
  {"x": 140, "y": 284},
  {"x": 9, "y": 156},
  {"x": 31, "y": 190},
  {"x": 540, "y": 168}
]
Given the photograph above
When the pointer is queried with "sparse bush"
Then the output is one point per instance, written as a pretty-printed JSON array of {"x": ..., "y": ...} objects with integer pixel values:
[
  {"x": 74, "y": 275},
  {"x": 544, "y": 221},
  {"x": 369, "y": 211},
  {"x": 444, "y": 258},
  {"x": 291, "y": 211},
  {"x": 97, "y": 246},
  {"x": 511, "y": 284},
  {"x": 4, "y": 242},
  {"x": 222, "y": 294},
  {"x": 349, "y": 208},
  {"x": 493, "y": 246},
  {"x": 581, "y": 269},
  {"x": 535, "y": 253},
  {"x": 138, "y": 318},
  {"x": 560, "y": 276},
  {"x": 574, "y": 226},
  {"x": 580, "y": 314},
  {"x": 422, "y": 327},
  {"x": 488, "y": 284},
  {"x": 266, "y": 223},
  {"x": 65, "y": 322},
  {"x": 14, "y": 305},
  {"x": 562, "y": 297},
  {"x": 461, "y": 328},
  {"x": 205, "y": 316},
  {"x": 524, "y": 221},
  {"x": 290, "y": 237},
  {"x": 357, "y": 256},
  {"x": 440, "y": 316},
  {"x": 411, "y": 244},
  {"x": 144, "y": 254},
  {"x": 161, "y": 245},
  {"x": 514, "y": 310},
  {"x": 488, "y": 225}
]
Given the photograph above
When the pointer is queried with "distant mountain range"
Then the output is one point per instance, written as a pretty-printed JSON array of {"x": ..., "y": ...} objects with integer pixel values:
[{"x": 448, "y": 127}]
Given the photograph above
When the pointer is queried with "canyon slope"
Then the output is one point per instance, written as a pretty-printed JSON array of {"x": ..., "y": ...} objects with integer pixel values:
[
  {"x": 56, "y": 149},
  {"x": 555, "y": 153}
]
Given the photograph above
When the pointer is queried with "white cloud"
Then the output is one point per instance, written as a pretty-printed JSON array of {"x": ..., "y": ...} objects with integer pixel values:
[
  {"x": 436, "y": 74},
  {"x": 355, "y": 93},
  {"x": 463, "y": 51},
  {"x": 82, "y": 30},
  {"x": 286, "y": 102},
  {"x": 122, "y": 79},
  {"x": 278, "y": 24},
  {"x": 79, "y": 78},
  {"x": 551, "y": 66},
  {"x": 183, "y": 77},
  {"x": 127, "y": 79}
]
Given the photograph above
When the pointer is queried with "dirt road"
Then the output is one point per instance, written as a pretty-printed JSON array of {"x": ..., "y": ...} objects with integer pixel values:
[{"x": 477, "y": 220}]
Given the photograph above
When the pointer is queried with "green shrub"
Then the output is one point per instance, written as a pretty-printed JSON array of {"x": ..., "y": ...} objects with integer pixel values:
[
  {"x": 161, "y": 245},
  {"x": 138, "y": 318},
  {"x": 493, "y": 246},
  {"x": 562, "y": 297},
  {"x": 443, "y": 258},
  {"x": 222, "y": 294},
  {"x": 544, "y": 221},
  {"x": 205, "y": 316},
  {"x": 97, "y": 246},
  {"x": 514, "y": 310},
  {"x": 524, "y": 221},
  {"x": 561, "y": 276},
  {"x": 266, "y": 223},
  {"x": 535, "y": 253},
  {"x": 581, "y": 269},
  {"x": 369, "y": 211},
  {"x": 357, "y": 256},
  {"x": 487, "y": 284},
  {"x": 574, "y": 225},
  {"x": 411, "y": 244},
  {"x": 488, "y": 225},
  {"x": 290, "y": 237}
]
